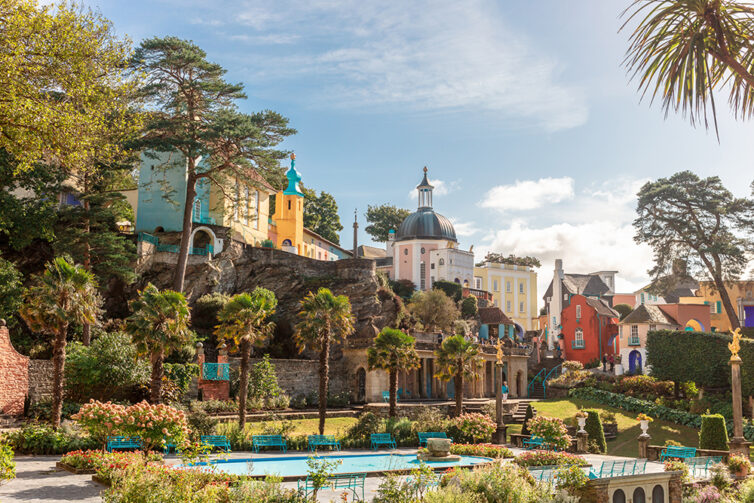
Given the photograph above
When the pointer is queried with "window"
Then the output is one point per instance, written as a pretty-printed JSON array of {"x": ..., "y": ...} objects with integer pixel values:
[
  {"x": 432, "y": 265},
  {"x": 235, "y": 206},
  {"x": 442, "y": 261},
  {"x": 431, "y": 281},
  {"x": 494, "y": 285},
  {"x": 256, "y": 209},
  {"x": 578, "y": 339},
  {"x": 620, "y": 330},
  {"x": 634, "y": 330},
  {"x": 634, "y": 340},
  {"x": 642, "y": 298},
  {"x": 520, "y": 288},
  {"x": 639, "y": 496},
  {"x": 422, "y": 273},
  {"x": 478, "y": 283},
  {"x": 578, "y": 312},
  {"x": 197, "y": 210},
  {"x": 405, "y": 251},
  {"x": 579, "y": 335},
  {"x": 246, "y": 205},
  {"x": 652, "y": 328},
  {"x": 423, "y": 250},
  {"x": 508, "y": 306},
  {"x": 619, "y": 496},
  {"x": 508, "y": 286},
  {"x": 521, "y": 307},
  {"x": 658, "y": 494},
  {"x": 289, "y": 204}
]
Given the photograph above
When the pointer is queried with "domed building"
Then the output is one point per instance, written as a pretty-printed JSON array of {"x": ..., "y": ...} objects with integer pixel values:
[{"x": 425, "y": 248}]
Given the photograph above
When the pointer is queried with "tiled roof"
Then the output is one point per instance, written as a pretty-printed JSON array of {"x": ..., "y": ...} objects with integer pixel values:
[
  {"x": 493, "y": 316},
  {"x": 602, "y": 307},
  {"x": 648, "y": 314},
  {"x": 589, "y": 285}
]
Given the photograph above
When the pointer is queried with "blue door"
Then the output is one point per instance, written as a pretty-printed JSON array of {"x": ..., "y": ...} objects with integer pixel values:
[
  {"x": 634, "y": 362},
  {"x": 749, "y": 315}
]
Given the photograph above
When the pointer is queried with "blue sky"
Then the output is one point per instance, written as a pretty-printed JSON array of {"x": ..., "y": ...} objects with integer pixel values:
[{"x": 535, "y": 138}]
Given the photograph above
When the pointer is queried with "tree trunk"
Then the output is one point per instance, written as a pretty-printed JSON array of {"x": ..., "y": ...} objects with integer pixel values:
[
  {"x": 243, "y": 388},
  {"x": 86, "y": 332},
  {"x": 458, "y": 382},
  {"x": 676, "y": 390},
  {"x": 324, "y": 370},
  {"x": 58, "y": 362},
  {"x": 183, "y": 252},
  {"x": 156, "y": 387},
  {"x": 393, "y": 391},
  {"x": 727, "y": 304}
]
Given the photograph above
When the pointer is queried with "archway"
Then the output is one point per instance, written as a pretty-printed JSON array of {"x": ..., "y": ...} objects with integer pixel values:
[
  {"x": 287, "y": 242},
  {"x": 658, "y": 494},
  {"x": 694, "y": 325},
  {"x": 201, "y": 239},
  {"x": 202, "y": 236},
  {"x": 619, "y": 496},
  {"x": 639, "y": 496},
  {"x": 159, "y": 229},
  {"x": 634, "y": 362},
  {"x": 361, "y": 385}
]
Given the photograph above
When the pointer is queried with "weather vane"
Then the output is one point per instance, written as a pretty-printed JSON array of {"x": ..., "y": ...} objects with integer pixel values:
[{"x": 735, "y": 346}]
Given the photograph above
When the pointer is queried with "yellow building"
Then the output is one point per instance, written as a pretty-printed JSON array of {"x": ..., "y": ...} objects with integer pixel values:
[
  {"x": 248, "y": 219},
  {"x": 513, "y": 289},
  {"x": 741, "y": 294}
]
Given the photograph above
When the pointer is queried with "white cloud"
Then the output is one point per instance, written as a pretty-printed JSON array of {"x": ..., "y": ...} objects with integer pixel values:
[
  {"x": 464, "y": 229},
  {"x": 441, "y": 188},
  {"x": 529, "y": 194}
]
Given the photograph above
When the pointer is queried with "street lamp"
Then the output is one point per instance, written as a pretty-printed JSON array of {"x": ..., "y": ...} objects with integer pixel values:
[{"x": 500, "y": 431}]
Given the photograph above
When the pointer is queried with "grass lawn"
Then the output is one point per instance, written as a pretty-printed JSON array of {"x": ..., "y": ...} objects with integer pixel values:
[
  {"x": 333, "y": 426},
  {"x": 628, "y": 427}
]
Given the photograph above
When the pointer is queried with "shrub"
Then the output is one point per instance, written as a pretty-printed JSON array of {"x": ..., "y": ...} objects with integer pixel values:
[
  {"x": 394, "y": 490},
  {"x": 263, "y": 382},
  {"x": 571, "y": 365},
  {"x": 708, "y": 494},
  {"x": 593, "y": 363},
  {"x": 108, "y": 369},
  {"x": 100, "y": 420},
  {"x": 181, "y": 374},
  {"x": 42, "y": 439},
  {"x": 430, "y": 419},
  {"x": 746, "y": 491},
  {"x": 505, "y": 482},
  {"x": 678, "y": 466},
  {"x": 204, "y": 313},
  {"x": 713, "y": 434},
  {"x": 469, "y": 307},
  {"x": 268, "y": 490},
  {"x": 551, "y": 429},
  {"x": 155, "y": 423},
  {"x": 402, "y": 430},
  {"x": 201, "y": 423},
  {"x": 451, "y": 288},
  {"x": 720, "y": 476},
  {"x": 42, "y": 411},
  {"x": 527, "y": 416},
  {"x": 609, "y": 417},
  {"x": 7, "y": 465},
  {"x": 96, "y": 459},
  {"x": 298, "y": 402},
  {"x": 548, "y": 458},
  {"x": 737, "y": 463},
  {"x": 472, "y": 428},
  {"x": 367, "y": 424},
  {"x": 594, "y": 428},
  {"x": 483, "y": 450},
  {"x": 571, "y": 477},
  {"x": 644, "y": 386}
]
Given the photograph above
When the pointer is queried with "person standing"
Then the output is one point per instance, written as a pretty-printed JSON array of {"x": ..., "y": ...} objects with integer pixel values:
[
  {"x": 604, "y": 362},
  {"x": 505, "y": 391},
  {"x": 611, "y": 361}
]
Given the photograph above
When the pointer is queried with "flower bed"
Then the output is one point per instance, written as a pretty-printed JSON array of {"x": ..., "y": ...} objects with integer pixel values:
[
  {"x": 549, "y": 458},
  {"x": 92, "y": 461},
  {"x": 484, "y": 450}
]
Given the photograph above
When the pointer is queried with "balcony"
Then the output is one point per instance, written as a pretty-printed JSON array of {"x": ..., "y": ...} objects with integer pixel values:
[
  {"x": 479, "y": 294},
  {"x": 634, "y": 341},
  {"x": 578, "y": 344}
]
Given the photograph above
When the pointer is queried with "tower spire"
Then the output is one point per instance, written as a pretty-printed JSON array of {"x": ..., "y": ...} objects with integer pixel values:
[{"x": 425, "y": 191}]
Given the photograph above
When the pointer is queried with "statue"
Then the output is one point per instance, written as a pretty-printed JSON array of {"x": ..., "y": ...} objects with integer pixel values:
[
  {"x": 735, "y": 346},
  {"x": 499, "y": 347}
]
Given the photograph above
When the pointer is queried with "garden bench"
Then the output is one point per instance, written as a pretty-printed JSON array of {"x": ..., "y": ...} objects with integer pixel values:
[
  {"x": 121, "y": 443},
  {"x": 378, "y": 439},
  {"x": 349, "y": 481},
  {"x": 259, "y": 441},
  {"x": 219, "y": 441},
  {"x": 680, "y": 452},
  {"x": 539, "y": 443},
  {"x": 426, "y": 435},
  {"x": 543, "y": 473},
  {"x": 701, "y": 464},
  {"x": 168, "y": 446},
  {"x": 386, "y": 397},
  {"x": 315, "y": 441}
]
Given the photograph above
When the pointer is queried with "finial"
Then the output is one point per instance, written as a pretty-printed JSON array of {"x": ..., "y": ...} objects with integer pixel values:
[
  {"x": 293, "y": 156},
  {"x": 425, "y": 169}
]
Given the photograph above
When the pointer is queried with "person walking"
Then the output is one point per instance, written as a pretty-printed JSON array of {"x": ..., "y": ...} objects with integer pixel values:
[
  {"x": 604, "y": 362},
  {"x": 611, "y": 361},
  {"x": 505, "y": 391}
]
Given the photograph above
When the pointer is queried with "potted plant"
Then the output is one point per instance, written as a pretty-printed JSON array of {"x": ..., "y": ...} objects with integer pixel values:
[
  {"x": 581, "y": 419},
  {"x": 644, "y": 421},
  {"x": 739, "y": 466}
]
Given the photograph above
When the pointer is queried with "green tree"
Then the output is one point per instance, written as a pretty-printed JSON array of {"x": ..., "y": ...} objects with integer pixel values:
[
  {"x": 11, "y": 291},
  {"x": 499, "y": 258},
  {"x": 64, "y": 294},
  {"x": 469, "y": 307},
  {"x": 458, "y": 359},
  {"x": 195, "y": 114},
  {"x": 325, "y": 319},
  {"x": 64, "y": 89},
  {"x": 699, "y": 221},
  {"x": 159, "y": 325},
  {"x": 682, "y": 51},
  {"x": 382, "y": 219},
  {"x": 393, "y": 351},
  {"x": 451, "y": 288},
  {"x": 321, "y": 214},
  {"x": 434, "y": 309},
  {"x": 244, "y": 320},
  {"x": 594, "y": 427},
  {"x": 623, "y": 309}
]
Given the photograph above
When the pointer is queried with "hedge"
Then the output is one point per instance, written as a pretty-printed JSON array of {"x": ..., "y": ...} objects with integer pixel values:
[
  {"x": 637, "y": 405},
  {"x": 713, "y": 434},
  {"x": 594, "y": 428},
  {"x": 451, "y": 289}
]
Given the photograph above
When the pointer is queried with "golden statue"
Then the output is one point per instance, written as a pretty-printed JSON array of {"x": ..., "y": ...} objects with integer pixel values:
[
  {"x": 735, "y": 346},
  {"x": 499, "y": 347}
]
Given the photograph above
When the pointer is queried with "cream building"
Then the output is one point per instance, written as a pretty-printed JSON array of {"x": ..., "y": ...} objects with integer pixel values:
[{"x": 513, "y": 289}]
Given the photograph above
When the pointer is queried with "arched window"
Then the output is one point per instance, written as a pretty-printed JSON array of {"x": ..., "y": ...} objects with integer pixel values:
[
  {"x": 442, "y": 261},
  {"x": 457, "y": 280},
  {"x": 287, "y": 242},
  {"x": 658, "y": 494},
  {"x": 639, "y": 496},
  {"x": 578, "y": 312},
  {"x": 619, "y": 496}
]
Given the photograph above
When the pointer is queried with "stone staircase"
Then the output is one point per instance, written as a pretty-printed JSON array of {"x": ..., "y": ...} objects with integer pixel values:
[{"x": 518, "y": 415}]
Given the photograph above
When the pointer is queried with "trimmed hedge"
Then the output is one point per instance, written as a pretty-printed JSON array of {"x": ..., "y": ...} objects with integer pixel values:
[
  {"x": 528, "y": 415},
  {"x": 594, "y": 428},
  {"x": 713, "y": 434}
]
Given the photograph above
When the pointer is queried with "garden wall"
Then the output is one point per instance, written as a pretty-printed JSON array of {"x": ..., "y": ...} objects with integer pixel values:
[
  {"x": 301, "y": 377},
  {"x": 40, "y": 380},
  {"x": 14, "y": 375}
]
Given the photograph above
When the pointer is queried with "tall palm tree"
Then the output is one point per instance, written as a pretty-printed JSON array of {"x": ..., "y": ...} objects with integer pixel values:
[
  {"x": 325, "y": 318},
  {"x": 393, "y": 351},
  {"x": 683, "y": 50},
  {"x": 159, "y": 325},
  {"x": 458, "y": 358},
  {"x": 244, "y": 320},
  {"x": 65, "y": 293}
]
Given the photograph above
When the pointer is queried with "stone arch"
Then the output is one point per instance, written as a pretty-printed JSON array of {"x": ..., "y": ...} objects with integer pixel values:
[
  {"x": 202, "y": 236},
  {"x": 658, "y": 494},
  {"x": 619, "y": 496},
  {"x": 159, "y": 228},
  {"x": 639, "y": 496}
]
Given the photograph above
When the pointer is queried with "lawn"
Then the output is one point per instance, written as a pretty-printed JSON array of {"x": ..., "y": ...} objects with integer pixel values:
[
  {"x": 333, "y": 426},
  {"x": 628, "y": 428}
]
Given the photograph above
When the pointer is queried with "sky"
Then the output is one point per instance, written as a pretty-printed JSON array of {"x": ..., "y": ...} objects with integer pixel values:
[{"x": 534, "y": 136}]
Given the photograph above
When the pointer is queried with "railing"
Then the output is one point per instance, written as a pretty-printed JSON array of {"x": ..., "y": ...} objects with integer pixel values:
[
  {"x": 215, "y": 372},
  {"x": 209, "y": 250},
  {"x": 555, "y": 369},
  {"x": 203, "y": 220},
  {"x": 540, "y": 375},
  {"x": 167, "y": 248},
  {"x": 634, "y": 341},
  {"x": 578, "y": 344},
  {"x": 143, "y": 236}
]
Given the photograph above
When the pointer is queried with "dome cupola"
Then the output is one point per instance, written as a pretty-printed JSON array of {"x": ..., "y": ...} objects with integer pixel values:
[{"x": 425, "y": 223}]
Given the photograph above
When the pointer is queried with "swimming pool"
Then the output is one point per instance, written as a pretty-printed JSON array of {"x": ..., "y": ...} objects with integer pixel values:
[{"x": 295, "y": 466}]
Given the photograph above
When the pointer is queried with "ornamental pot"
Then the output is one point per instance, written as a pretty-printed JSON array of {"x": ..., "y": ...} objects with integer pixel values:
[
  {"x": 582, "y": 423},
  {"x": 644, "y": 425}
]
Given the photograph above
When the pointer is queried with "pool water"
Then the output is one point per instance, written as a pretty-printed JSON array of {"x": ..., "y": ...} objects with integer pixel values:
[{"x": 293, "y": 466}]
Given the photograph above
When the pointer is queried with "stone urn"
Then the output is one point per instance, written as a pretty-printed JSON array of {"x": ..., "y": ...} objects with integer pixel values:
[
  {"x": 582, "y": 423},
  {"x": 644, "y": 425},
  {"x": 439, "y": 450}
]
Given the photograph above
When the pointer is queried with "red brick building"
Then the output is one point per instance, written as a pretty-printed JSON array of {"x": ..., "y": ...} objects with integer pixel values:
[
  {"x": 14, "y": 376},
  {"x": 590, "y": 329}
]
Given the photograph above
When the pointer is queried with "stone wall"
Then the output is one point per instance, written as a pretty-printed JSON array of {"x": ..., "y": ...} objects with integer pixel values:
[
  {"x": 40, "y": 380},
  {"x": 301, "y": 377},
  {"x": 14, "y": 375}
]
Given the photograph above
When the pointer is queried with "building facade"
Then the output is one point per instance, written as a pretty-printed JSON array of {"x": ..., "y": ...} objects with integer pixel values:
[
  {"x": 513, "y": 289},
  {"x": 589, "y": 329},
  {"x": 741, "y": 294}
]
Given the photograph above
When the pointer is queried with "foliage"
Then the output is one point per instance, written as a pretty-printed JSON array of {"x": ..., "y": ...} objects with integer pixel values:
[
  {"x": 699, "y": 221},
  {"x": 63, "y": 295},
  {"x": 393, "y": 490},
  {"x": 430, "y": 419},
  {"x": 527, "y": 416},
  {"x": 498, "y": 482},
  {"x": 678, "y": 466},
  {"x": 402, "y": 429},
  {"x": 594, "y": 428},
  {"x": 159, "y": 325},
  {"x": 472, "y": 427},
  {"x": 320, "y": 470},
  {"x": 268, "y": 490},
  {"x": 720, "y": 476},
  {"x": 88, "y": 69},
  {"x": 623, "y": 309},
  {"x": 457, "y": 358},
  {"x": 206, "y": 308},
  {"x": 321, "y": 214},
  {"x": 108, "y": 369},
  {"x": 42, "y": 439},
  {"x": 434, "y": 309},
  {"x": 155, "y": 424},
  {"x": 713, "y": 434},
  {"x": 42, "y": 410},
  {"x": 571, "y": 365},
  {"x": 100, "y": 420},
  {"x": 571, "y": 477},
  {"x": 382, "y": 219},
  {"x": 469, "y": 307},
  {"x": 200, "y": 423},
  {"x": 450, "y": 288},
  {"x": 738, "y": 463},
  {"x": 548, "y": 458},
  {"x": 263, "y": 382},
  {"x": 181, "y": 374},
  {"x": 96, "y": 459},
  {"x": 551, "y": 429},
  {"x": 393, "y": 351},
  {"x": 403, "y": 288},
  {"x": 483, "y": 450},
  {"x": 746, "y": 491},
  {"x": 644, "y": 386},
  {"x": 499, "y": 258},
  {"x": 7, "y": 465},
  {"x": 10, "y": 291}
]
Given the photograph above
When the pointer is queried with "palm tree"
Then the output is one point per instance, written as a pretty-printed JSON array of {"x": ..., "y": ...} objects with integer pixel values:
[
  {"x": 243, "y": 320},
  {"x": 326, "y": 318},
  {"x": 65, "y": 293},
  {"x": 393, "y": 351},
  {"x": 458, "y": 358},
  {"x": 683, "y": 50},
  {"x": 159, "y": 325}
]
